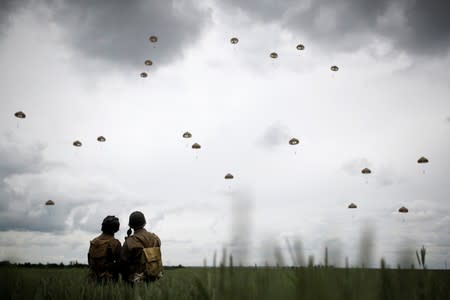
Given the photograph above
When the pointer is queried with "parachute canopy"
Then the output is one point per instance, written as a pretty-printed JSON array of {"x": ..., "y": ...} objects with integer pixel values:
[
  {"x": 148, "y": 62},
  {"x": 294, "y": 141},
  {"x": 187, "y": 135},
  {"x": 422, "y": 160},
  {"x": 101, "y": 139},
  {"x": 300, "y": 47},
  {"x": 366, "y": 171},
  {"x": 274, "y": 55},
  {"x": 196, "y": 146},
  {"x": 334, "y": 68},
  {"x": 234, "y": 40},
  {"x": 229, "y": 176},
  {"x": 20, "y": 115},
  {"x": 49, "y": 202},
  {"x": 77, "y": 144},
  {"x": 403, "y": 210},
  {"x": 352, "y": 205},
  {"x": 153, "y": 39},
  {"x": 144, "y": 75}
]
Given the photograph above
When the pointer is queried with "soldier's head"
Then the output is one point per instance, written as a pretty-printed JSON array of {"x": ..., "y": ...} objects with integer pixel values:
[
  {"x": 110, "y": 225},
  {"x": 137, "y": 220}
]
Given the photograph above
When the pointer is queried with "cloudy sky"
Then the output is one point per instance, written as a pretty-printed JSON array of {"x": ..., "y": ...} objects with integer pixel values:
[{"x": 73, "y": 67}]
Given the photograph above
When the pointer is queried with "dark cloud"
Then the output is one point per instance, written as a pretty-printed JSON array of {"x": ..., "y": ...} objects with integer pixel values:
[
  {"x": 8, "y": 8},
  {"x": 419, "y": 27},
  {"x": 117, "y": 32}
]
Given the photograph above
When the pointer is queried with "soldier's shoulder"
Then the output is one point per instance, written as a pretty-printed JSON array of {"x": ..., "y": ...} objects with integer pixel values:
[
  {"x": 156, "y": 237},
  {"x": 116, "y": 242}
]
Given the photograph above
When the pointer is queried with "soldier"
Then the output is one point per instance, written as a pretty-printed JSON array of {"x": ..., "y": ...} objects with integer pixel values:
[
  {"x": 141, "y": 254},
  {"x": 104, "y": 253}
]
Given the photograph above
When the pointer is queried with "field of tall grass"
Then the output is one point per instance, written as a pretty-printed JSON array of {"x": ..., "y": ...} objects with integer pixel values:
[{"x": 233, "y": 283}]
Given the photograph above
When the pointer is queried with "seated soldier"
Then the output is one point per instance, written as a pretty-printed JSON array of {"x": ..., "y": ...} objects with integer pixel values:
[
  {"x": 141, "y": 254},
  {"x": 104, "y": 252}
]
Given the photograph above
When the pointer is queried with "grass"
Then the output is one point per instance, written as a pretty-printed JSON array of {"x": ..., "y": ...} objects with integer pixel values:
[{"x": 233, "y": 283}]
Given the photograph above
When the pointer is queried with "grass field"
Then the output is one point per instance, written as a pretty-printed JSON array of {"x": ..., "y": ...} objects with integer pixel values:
[{"x": 233, "y": 283}]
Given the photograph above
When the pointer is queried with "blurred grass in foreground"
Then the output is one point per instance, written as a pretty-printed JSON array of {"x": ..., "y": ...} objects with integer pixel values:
[{"x": 233, "y": 283}]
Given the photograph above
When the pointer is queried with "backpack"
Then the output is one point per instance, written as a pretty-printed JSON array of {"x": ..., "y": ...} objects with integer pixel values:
[
  {"x": 100, "y": 254},
  {"x": 151, "y": 257}
]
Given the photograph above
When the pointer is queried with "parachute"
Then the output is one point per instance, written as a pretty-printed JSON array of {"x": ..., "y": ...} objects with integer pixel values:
[
  {"x": 274, "y": 55},
  {"x": 366, "y": 171},
  {"x": 148, "y": 62},
  {"x": 153, "y": 39},
  {"x": 144, "y": 75},
  {"x": 101, "y": 139},
  {"x": 196, "y": 146},
  {"x": 300, "y": 47},
  {"x": 229, "y": 176},
  {"x": 234, "y": 40},
  {"x": 352, "y": 205},
  {"x": 422, "y": 160},
  {"x": 334, "y": 68},
  {"x": 403, "y": 210},
  {"x": 77, "y": 144},
  {"x": 50, "y": 202},
  {"x": 294, "y": 141},
  {"x": 187, "y": 135},
  {"x": 20, "y": 115}
]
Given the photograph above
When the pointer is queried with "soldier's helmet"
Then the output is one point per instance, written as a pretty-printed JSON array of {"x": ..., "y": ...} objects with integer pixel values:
[
  {"x": 110, "y": 225},
  {"x": 137, "y": 220}
]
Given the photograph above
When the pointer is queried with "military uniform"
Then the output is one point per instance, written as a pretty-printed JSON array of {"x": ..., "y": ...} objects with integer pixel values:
[
  {"x": 133, "y": 263},
  {"x": 104, "y": 258}
]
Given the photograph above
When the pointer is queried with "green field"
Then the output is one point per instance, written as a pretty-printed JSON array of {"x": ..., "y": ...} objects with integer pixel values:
[{"x": 232, "y": 283}]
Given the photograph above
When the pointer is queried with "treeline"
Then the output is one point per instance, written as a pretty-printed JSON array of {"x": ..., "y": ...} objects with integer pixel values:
[{"x": 72, "y": 264}]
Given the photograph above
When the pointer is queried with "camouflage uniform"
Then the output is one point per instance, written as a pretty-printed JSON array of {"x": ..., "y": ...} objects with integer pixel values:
[
  {"x": 104, "y": 258},
  {"x": 133, "y": 265}
]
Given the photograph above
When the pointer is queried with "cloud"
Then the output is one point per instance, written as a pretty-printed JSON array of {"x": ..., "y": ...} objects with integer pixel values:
[
  {"x": 275, "y": 135},
  {"x": 353, "y": 167},
  {"x": 117, "y": 32},
  {"x": 27, "y": 180},
  {"x": 417, "y": 27}
]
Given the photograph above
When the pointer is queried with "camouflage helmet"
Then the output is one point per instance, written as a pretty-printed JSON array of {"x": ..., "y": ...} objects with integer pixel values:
[
  {"x": 137, "y": 220},
  {"x": 110, "y": 225}
]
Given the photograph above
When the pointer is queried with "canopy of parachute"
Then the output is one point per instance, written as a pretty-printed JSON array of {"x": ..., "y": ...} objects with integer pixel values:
[
  {"x": 148, "y": 62},
  {"x": 274, "y": 55},
  {"x": 101, "y": 139},
  {"x": 366, "y": 171},
  {"x": 294, "y": 141},
  {"x": 403, "y": 210},
  {"x": 196, "y": 146},
  {"x": 153, "y": 38},
  {"x": 50, "y": 202},
  {"x": 187, "y": 135},
  {"x": 20, "y": 115},
  {"x": 334, "y": 68},
  {"x": 234, "y": 40},
  {"x": 144, "y": 75},
  {"x": 352, "y": 205},
  {"x": 422, "y": 160},
  {"x": 229, "y": 176},
  {"x": 300, "y": 47},
  {"x": 77, "y": 144}
]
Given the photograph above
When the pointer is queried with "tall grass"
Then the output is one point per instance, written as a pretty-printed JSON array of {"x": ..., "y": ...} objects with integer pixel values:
[{"x": 233, "y": 283}]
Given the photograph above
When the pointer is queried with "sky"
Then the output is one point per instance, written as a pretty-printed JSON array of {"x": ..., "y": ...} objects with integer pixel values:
[{"x": 73, "y": 67}]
